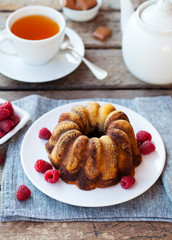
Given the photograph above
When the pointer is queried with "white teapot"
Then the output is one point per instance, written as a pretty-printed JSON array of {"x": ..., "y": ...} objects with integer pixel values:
[{"x": 147, "y": 40}]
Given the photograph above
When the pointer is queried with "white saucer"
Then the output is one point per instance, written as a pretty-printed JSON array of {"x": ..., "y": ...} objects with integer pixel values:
[{"x": 60, "y": 66}]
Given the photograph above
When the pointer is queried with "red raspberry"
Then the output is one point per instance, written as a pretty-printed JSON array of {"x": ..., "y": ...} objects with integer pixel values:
[
  {"x": 143, "y": 136},
  {"x": 44, "y": 133},
  {"x": 1, "y": 134},
  {"x": 1, "y": 159},
  {"x": 6, "y": 125},
  {"x": 52, "y": 176},
  {"x": 14, "y": 118},
  {"x": 8, "y": 105},
  {"x": 147, "y": 147},
  {"x": 4, "y": 113},
  {"x": 127, "y": 181},
  {"x": 42, "y": 166},
  {"x": 23, "y": 193}
]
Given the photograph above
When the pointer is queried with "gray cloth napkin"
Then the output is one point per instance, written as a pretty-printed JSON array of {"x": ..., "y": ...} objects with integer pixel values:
[{"x": 154, "y": 205}]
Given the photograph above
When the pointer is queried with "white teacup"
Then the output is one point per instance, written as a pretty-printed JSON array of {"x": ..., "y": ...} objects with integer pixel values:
[{"x": 35, "y": 52}]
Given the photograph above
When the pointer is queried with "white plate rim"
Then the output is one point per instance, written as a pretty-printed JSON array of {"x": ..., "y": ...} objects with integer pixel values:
[
  {"x": 75, "y": 203},
  {"x": 24, "y": 117},
  {"x": 68, "y": 31}
]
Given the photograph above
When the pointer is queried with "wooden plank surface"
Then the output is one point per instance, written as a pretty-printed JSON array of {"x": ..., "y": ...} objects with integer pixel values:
[
  {"x": 81, "y": 94},
  {"x": 86, "y": 231}
]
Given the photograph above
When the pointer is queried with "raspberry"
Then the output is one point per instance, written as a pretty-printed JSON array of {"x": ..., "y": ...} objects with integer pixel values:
[
  {"x": 7, "y": 105},
  {"x": 127, "y": 181},
  {"x": 6, "y": 125},
  {"x": 23, "y": 193},
  {"x": 1, "y": 134},
  {"x": 4, "y": 113},
  {"x": 1, "y": 159},
  {"x": 44, "y": 133},
  {"x": 147, "y": 147},
  {"x": 14, "y": 118},
  {"x": 42, "y": 166},
  {"x": 143, "y": 136},
  {"x": 52, "y": 176}
]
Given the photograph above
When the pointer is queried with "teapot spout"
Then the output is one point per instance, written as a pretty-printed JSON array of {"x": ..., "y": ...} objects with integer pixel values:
[{"x": 126, "y": 10}]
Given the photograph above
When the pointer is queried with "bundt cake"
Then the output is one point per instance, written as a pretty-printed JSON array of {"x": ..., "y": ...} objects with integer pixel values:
[{"x": 93, "y": 146}]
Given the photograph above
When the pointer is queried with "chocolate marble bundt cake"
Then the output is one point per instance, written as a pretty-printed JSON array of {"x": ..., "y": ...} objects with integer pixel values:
[{"x": 93, "y": 146}]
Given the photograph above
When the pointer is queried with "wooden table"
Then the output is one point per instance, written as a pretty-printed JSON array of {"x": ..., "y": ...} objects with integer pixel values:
[{"x": 81, "y": 84}]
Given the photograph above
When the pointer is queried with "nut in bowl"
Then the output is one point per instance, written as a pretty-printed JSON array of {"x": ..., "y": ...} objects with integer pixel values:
[{"x": 81, "y": 15}]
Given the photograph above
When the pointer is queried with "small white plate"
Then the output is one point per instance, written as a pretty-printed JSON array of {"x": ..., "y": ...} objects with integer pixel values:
[
  {"x": 146, "y": 174},
  {"x": 24, "y": 117},
  {"x": 60, "y": 66}
]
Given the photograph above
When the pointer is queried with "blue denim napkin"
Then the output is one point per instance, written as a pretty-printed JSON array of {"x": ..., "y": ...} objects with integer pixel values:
[{"x": 154, "y": 205}]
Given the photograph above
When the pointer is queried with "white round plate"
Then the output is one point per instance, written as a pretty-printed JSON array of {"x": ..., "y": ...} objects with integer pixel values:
[
  {"x": 60, "y": 66},
  {"x": 146, "y": 174}
]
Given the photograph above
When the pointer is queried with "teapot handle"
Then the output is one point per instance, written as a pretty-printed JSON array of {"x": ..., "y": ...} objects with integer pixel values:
[{"x": 126, "y": 11}]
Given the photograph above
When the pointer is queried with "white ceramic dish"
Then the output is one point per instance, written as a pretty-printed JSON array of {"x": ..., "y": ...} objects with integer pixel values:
[
  {"x": 24, "y": 117},
  {"x": 147, "y": 40},
  {"x": 82, "y": 16},
  {"x": 60, "y": 66},
  {"x": 146, "y": 174}
]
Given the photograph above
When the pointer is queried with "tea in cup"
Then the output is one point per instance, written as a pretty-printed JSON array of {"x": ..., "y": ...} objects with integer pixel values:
[{"x": 36, "y": 33}]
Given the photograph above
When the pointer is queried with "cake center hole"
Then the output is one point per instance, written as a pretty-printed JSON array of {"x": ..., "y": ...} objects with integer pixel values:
[{"x": 95, "y": 133}]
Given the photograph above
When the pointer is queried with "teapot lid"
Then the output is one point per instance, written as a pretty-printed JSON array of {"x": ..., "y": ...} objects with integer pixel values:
[{"x": 158, "y": 15}]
